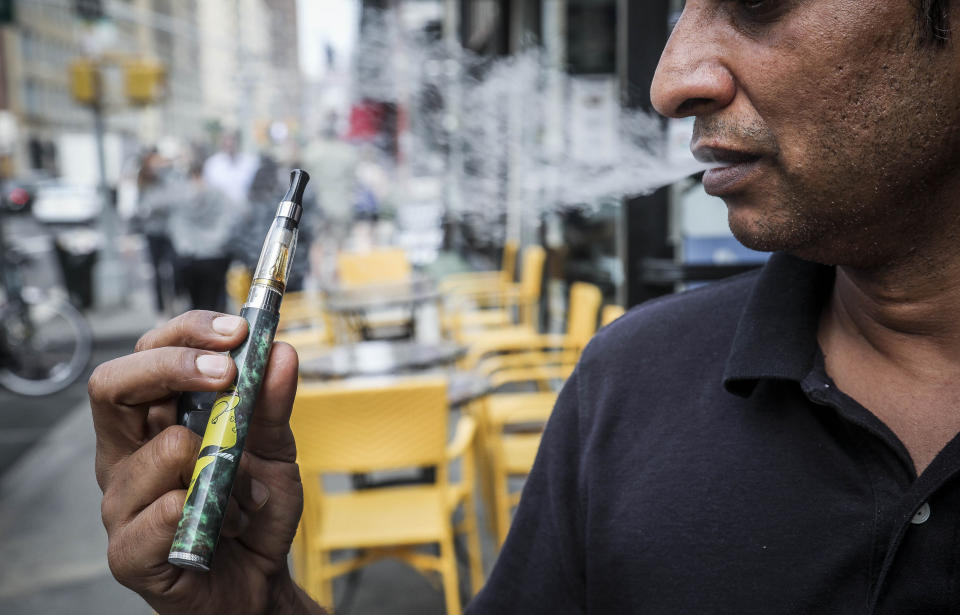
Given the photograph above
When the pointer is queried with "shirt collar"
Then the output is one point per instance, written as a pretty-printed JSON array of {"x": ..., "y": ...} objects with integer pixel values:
[{"x": 776, "y": 337}]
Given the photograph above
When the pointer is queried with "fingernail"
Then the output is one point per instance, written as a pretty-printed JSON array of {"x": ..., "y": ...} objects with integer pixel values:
[
  {"x": 225, "y": 325},
  {"x": 259, "y": 493},
  {"x": 243, "y": 523},
  {"x": 213, "y": 365}
]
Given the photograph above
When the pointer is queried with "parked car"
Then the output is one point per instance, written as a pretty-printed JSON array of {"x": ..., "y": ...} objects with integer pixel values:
[{"x": 60, "y": 203}]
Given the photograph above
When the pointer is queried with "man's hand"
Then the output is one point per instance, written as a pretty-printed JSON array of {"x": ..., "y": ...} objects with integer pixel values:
[{"x": 144, "y": 462}]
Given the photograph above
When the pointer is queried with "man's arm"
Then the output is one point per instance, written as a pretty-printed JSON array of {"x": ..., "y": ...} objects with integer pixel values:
[
  {"x": 541, "y": 566},
  {"x": 144, "y": 462}
]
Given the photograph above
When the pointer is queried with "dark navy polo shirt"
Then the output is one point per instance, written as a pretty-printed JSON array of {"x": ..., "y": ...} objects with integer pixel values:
[{"x": 700, "y": 461}]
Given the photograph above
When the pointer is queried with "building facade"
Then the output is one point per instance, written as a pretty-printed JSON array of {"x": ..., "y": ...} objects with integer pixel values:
[{"x": 227, "y": 63}]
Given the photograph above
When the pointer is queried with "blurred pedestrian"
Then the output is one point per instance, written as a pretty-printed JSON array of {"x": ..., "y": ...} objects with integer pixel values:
[
  {"x": 201, "y": 226},
  {"x": 332, "y": 163},
  {"x": 268, "y": 185},
  {"x": 154, "y": 200},
  {"x": 230, "y": 170}
]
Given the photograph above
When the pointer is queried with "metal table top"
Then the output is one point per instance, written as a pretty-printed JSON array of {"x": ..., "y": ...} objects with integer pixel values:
[
  {"x": 380, "y": 358},
  {"x": 376, "y": 296}
]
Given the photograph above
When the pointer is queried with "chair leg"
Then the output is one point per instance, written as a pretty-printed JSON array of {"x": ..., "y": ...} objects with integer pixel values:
[
  {"x": 320, "y": 587},
  {"x": 501, "y": 498},
  {"x": 300, "y": 555},
  {"x": 451, "y": 588},
  {"x": 474, "y": 553},
  {"x": 485, "y": 467}
]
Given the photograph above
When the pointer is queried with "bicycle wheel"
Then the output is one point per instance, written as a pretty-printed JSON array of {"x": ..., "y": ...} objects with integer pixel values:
[{"x": 48, "y": 345}]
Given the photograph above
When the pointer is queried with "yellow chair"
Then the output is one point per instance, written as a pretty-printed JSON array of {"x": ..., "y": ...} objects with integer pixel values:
[
  {"x": 343, "y": 429},
  {"x": 542, "y": 359},
  {"x": 523, "y": 296},
  {"x": 584, "y": 302},
  {"x": 479, "y": 283},
  {"x": 513, "y": 455},
  {"x": 610, "y": 313},
  {"x": 378, "y": 266},
  {"x": 238, "y": 284},
  {"x": 304, "y": 323}
]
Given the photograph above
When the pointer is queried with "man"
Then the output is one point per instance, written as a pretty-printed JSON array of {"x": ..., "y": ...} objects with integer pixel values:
[
  {"x": 230, "y": 170},
  {"x": 779, "y": 443},
  {"x": 202, "y": 223}
]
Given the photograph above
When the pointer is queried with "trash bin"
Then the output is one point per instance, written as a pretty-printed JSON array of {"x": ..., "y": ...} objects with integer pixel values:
[{"x": 78, "y": 252}]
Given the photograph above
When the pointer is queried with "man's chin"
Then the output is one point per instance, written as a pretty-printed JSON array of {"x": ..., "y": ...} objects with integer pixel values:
[
  {"x": 759, "y": 234},
  {"x": 780, "y": 240}
]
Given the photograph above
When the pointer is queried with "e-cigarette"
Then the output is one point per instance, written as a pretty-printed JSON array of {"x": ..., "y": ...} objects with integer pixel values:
[{"x": 209, "y": 490}]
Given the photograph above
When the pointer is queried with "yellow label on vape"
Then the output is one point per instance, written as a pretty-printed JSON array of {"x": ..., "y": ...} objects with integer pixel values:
[
  {"x": 222, "y": 426},
  {"x": 201, "y": 464},
  {"x": 221, "y": 432}
]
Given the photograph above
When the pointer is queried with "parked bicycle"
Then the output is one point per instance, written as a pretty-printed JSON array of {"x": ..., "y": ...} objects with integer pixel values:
[{"x": 45, "y": 342}]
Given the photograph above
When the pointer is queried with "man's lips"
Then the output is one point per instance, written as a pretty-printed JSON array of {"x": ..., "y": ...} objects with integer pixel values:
[
  {"x": 725, "y": 181},
  {"x": 734, "y": 168}
]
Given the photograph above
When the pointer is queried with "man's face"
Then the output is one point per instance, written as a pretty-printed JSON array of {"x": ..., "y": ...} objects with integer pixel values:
[
  {"x": 837, "y": 129},
  {"x": 228, "y": 143}
]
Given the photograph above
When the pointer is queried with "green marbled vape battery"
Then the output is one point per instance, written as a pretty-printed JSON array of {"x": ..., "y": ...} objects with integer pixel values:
[
  {"x": 212, "y": 481},
  {"x": 209, "y": 490}
]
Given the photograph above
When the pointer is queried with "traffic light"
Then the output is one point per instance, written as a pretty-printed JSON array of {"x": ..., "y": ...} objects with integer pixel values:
[
  {"x": 7, "y": 14},
  {"x": 91, "y": 10},
  {"x": 84, "y": 81},
  {"x": 144, "y": 81}
]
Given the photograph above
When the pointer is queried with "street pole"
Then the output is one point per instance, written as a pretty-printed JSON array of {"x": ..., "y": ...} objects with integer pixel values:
[{"x": 108, "y": 272}]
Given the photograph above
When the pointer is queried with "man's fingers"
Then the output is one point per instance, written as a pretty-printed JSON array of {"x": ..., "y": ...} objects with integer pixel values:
[
  {"x": 163, "y": 464},
  {"x": 153, "y": 375},
  {"x": 273, "y": 526},
  {"x": 235, "y": 520},
  {"x": 270, "y": 436},
  {"x": 251, "y": 494},
  {"x": 120, "y": 388},
  {"x": 160, "y": 416},
  {"x": 197, "y": 329},
  {"x": 137, "y": 553}
]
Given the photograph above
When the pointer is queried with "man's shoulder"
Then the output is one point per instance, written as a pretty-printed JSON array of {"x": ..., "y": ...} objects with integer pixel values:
[{"x": 704, "y": 307}]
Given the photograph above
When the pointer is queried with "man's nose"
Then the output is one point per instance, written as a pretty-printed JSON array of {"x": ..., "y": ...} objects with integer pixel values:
[{"x": 692, "y": 78}]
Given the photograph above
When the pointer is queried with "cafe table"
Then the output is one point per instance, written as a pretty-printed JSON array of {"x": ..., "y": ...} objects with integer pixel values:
[
  {"x": 361, "y": 308},
  {"x": 463, "y": 387},
  {"x": 379, "y": 358}
]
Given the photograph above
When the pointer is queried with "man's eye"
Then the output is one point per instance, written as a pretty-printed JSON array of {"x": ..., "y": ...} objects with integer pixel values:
[{"x": 762, "y": 10}]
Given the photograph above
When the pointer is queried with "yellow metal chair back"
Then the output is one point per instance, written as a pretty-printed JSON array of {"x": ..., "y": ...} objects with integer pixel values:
[
  {"x": 238, "y": 284},
  {"x": 610, "y": 313},
  {"x": 508, "y": 267},
  {"x": 374, "y": 267},
  {"x": 585, "y": 300},
  {"x": 531, "y": 283},
  {"x": 362, "y": 430}
]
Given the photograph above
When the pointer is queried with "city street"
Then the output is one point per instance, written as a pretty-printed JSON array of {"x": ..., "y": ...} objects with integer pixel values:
[
  {"x": 25, "y": 420},
  {"x": 52, "y": 542}
]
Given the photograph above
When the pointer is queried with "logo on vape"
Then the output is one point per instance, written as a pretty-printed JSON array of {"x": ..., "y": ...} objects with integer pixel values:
[{"x": 221, "y": 433}]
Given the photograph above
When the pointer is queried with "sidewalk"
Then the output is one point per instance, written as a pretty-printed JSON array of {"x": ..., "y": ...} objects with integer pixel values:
[{"x": 52, "y": 543}]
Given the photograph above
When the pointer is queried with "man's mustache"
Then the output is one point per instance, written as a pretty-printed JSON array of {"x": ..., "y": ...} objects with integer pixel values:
[{"x": 754, "y": 137}]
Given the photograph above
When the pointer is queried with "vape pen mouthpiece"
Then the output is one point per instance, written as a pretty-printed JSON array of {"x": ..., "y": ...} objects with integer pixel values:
[{"x": 298, "y": 182}]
